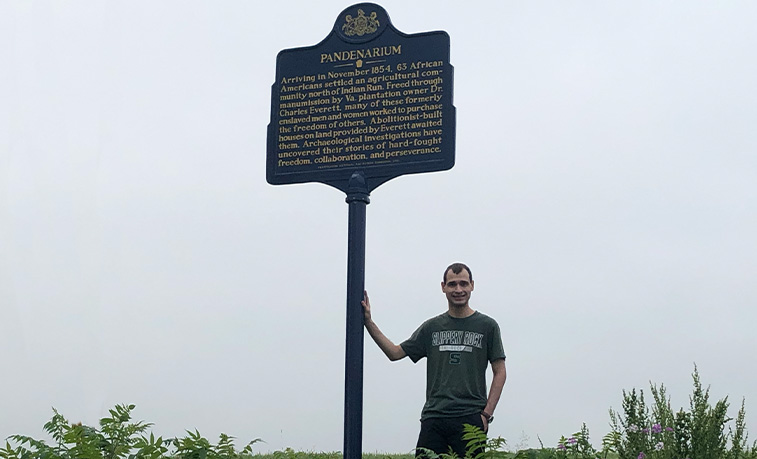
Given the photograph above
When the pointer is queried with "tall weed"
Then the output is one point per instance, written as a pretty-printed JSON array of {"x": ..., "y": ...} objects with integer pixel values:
[
  {"x": 700, "y": 432},
  {"x": 117, "y": 438}
]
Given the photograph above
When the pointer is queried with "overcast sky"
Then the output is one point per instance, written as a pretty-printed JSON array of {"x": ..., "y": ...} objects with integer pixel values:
[{"x": 605, "y": 197}]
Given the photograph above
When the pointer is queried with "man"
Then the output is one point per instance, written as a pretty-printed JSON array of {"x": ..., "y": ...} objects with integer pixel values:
[{"x": 458, "y": 344}]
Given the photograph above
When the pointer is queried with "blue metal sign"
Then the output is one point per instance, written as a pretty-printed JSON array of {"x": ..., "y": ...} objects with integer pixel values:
[{"x": 368, "y": 99}]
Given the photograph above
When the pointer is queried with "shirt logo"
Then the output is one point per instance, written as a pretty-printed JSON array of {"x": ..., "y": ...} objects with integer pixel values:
[{"x": 457, "y": 340}]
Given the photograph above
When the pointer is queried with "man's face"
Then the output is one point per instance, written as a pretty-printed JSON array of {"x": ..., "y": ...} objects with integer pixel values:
[{"x": 457, "y": 288}]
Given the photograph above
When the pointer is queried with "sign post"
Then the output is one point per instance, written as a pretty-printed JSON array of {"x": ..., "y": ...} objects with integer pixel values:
[
  {"x": 365, "y": 105},
  {"x": 357, "y": 199}
]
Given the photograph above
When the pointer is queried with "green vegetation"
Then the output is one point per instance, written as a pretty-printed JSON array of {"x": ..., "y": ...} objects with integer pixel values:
[
  {"x": 118, "y": 438},
  {"x": 704, "y": 431}
]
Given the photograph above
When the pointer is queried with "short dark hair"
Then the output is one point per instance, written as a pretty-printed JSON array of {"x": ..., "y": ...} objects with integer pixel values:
[{"x": 457, "y": 268}]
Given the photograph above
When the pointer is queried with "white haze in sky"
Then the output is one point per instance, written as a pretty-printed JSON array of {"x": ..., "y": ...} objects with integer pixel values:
[{"x": 605, "y": 197}]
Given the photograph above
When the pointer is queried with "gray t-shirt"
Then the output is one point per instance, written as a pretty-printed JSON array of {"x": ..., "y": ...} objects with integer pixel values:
[{"x": 458, "y": 353}]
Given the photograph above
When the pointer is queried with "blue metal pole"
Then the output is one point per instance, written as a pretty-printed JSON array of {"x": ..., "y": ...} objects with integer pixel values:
[{"x": 357, "y": 199}]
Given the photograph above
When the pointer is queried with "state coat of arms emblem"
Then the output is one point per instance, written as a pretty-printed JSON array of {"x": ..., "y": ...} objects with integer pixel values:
[{"x": 361, "y": 24}]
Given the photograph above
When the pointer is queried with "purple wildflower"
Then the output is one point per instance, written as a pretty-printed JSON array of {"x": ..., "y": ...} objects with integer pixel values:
[
  {"x": 633, "y": 428},
  {"x": 641, "y": 455},
  {"x": 572, "y": 441},
  {"x": 659, "y": 446},
  {"x": 657, "y": 428},
  {"x": 561, "y": 447},
  {"x": 645, "y": 430},
  {"x": 668, "y": 429}
]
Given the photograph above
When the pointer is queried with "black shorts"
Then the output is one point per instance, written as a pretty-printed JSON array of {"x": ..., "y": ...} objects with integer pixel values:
[{"x": 441, "y": 434}]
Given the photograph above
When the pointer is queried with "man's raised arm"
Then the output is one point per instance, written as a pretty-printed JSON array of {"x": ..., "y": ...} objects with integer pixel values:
[{"x": 392, "y": 351}]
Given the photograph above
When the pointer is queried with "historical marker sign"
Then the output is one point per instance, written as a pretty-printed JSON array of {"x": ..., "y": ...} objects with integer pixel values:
[
  {"x": 367, "y": 99},
  {"x": 367, "y": 104}
]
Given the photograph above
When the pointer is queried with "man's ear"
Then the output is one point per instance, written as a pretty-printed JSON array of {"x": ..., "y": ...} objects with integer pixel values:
[
  {"x": 472, "y": 285},
  {"x": 443, "y": 284}
]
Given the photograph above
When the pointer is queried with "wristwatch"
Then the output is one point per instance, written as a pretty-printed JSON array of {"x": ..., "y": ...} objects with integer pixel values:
[{"x": 489, "y": 417}]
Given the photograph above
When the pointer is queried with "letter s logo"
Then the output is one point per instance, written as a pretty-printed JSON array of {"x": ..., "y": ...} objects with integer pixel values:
[{"x": 454, "y": 358}]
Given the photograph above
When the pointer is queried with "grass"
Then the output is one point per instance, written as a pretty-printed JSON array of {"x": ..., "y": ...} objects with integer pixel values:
[
  {"x": 310, "y": 455},
  {"x": 639, "y": 431}
]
